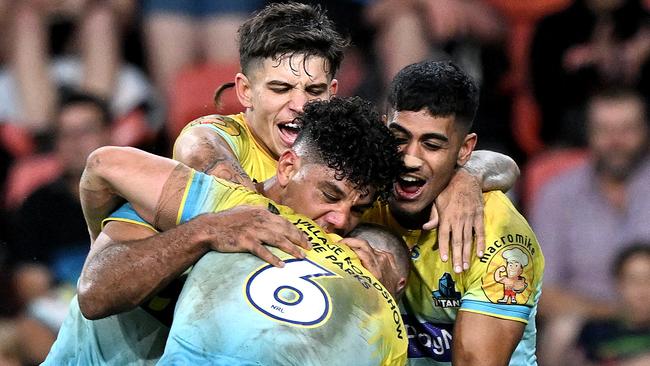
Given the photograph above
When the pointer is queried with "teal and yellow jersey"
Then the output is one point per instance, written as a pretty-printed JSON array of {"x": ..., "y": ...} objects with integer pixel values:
[
  {"x": 505, "y": 283},
  {"x": 236, "y": 309},
  {"x": 255, "y": 161}
]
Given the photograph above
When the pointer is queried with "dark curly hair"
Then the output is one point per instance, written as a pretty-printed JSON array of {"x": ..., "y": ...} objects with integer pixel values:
[
  {"x": 348, "y": 135},
  {"x": 441, "y": 87},
  {"x": 285, "y": 29}
]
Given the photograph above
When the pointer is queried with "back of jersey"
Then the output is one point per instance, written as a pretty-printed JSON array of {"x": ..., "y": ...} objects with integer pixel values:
[{"x": 236, "y": 310}]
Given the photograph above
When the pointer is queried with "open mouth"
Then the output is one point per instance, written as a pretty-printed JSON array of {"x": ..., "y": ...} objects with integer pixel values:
[
  {"x": 288, "y": 132},
  {"x": 408, "y": 187}
]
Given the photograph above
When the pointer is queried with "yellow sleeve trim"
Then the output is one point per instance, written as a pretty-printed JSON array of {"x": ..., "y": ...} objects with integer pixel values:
[
  {"x": 129, "y": 221},
  {"x": 188, "y": 185}
]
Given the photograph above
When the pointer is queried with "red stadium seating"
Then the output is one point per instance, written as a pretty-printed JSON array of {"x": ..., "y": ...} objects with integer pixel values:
[
  {"x": 192, "y": 94},
  {"x": 28, "y": 174},
  {"x": 539, "y": 170},
  {"x": 522, "y": 16}
]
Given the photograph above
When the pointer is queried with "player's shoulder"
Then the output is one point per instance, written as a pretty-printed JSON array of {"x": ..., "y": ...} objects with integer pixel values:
[
  {"x": 500, "y": 212},
  {"x": 233, "y": 125}
]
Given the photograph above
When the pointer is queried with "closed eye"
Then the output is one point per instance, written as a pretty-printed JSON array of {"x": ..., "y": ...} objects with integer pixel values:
[
  {"x": 329, "y": 198},
  {"x": 432, "y": 146}
]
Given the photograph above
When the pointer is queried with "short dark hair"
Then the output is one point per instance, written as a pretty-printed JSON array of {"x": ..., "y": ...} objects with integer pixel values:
[
  {"x": 285, "y": 29},
  {"x": 638, "y": 248},
  {"x": 441, "y": 87},
  {"x": 382, "y": 238},
  {"x": 71, "y": 98},
  {"x": 619, "y": 93},
  {"x": 348, "y": 135}
]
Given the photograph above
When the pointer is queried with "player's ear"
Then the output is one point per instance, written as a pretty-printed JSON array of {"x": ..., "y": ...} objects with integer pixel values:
[
  {"x": 466, "y": 148},
  {"x": 401, "y": 286},
  {"x": 288, "y": 165},
  {"x": 334, "y": 87},
  {"x": 243, "y": 89}
]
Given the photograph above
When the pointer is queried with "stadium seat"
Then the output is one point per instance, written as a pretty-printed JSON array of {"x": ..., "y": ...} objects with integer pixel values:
[
  {"x": 16, "y": 140},
  {"x": 546, "y": 165},
  {"x": 522, "y": 17},
  {"x": 192, "y": 94},
  {"x": 28, "y": 174}
]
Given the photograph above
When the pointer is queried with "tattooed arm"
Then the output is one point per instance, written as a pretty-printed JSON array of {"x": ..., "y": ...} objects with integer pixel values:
[{"x": 204, "y": 150}]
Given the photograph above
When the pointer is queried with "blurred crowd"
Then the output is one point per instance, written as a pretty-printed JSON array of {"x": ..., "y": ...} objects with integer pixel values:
[{"x": 565, "y": 88}]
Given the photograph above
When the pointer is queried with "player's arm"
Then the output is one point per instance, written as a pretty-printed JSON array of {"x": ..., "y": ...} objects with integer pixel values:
[
  {"x": 127, "y": 263},
  {"x": 459, "y": 207},
  {"x": 112, "y": 172},
  {"x": 494, "y": 171},
  {"x": 205, "y": 150},
  {"x": 482, "y": 340}
]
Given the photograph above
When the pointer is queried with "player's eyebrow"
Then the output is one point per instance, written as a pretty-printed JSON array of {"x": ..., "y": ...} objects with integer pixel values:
[
  {"x": 426, "y": 136},
  {"x": 317, "y": 86},
  {"x": 279, "y": 83},
  {"x": 331, "y": 188}
]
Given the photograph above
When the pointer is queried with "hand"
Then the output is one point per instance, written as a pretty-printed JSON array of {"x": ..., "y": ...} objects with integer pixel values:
[
  {"x": 378, "y": 262},
  {"x": 248, "y": 229},
  {"x": 458, "y": 213}
]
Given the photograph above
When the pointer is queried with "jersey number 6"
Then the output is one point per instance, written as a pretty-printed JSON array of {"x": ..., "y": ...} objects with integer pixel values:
[{"x": 289, "y": 294}]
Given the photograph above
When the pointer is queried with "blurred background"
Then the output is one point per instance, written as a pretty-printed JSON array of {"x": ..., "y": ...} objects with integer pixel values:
[{"x": 564, "y": 91}]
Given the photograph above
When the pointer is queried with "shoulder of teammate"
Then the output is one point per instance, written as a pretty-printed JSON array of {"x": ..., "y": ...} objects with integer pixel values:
[
  {"x": 506, "y": 281},
  {"x": 230, "y": 128}
]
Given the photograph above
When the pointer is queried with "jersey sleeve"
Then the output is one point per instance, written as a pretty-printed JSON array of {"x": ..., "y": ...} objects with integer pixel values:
[
  {"x": 126, "y": 213},
  {"x": 205, "y": 193},
  {"x": 228, "y": 128},
  {"x": 505, "y": 282}
]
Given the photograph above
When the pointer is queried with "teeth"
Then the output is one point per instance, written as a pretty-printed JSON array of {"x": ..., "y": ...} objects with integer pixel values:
[
  {"x": 409, "y": 179},
  {"x": 292, "y": 125}
]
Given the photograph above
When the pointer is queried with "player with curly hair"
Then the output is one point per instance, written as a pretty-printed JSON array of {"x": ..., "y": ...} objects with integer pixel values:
[
  {"x": 319, "y": 190},
  {"x": 290, "y": 53}
]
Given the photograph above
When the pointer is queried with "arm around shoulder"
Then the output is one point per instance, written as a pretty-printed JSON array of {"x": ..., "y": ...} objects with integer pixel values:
[
  {"x": 128, "y": 263},
  {"x": 494, "y": 170}
]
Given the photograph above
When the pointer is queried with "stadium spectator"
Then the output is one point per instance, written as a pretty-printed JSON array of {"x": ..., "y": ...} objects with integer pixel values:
[
  {"x": 49, "y": 229},
  {"x": 623, "y": 339},
  {"x": 578, "y": 51},
  {"x": 471, "y": 33},
  {"x": 201, "y": 30},
  {"x": 89, "y": 61},
  {"x": 585, "y": 216}
]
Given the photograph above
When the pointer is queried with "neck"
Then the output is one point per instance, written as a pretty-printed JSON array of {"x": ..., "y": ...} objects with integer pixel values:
[
  {"x": 248, "y": 116},
  {"x": 614, "y": 191},
  {"x": 270, "y": 189},
  {"x": 411, "y": 221}
]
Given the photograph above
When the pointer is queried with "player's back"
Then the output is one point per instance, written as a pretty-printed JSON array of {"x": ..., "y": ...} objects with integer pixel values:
[
  {"x": 322, "y": 310},
  {"x": 130, "y": 338}
]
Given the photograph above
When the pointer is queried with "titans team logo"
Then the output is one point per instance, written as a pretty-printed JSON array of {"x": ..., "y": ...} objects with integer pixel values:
[{"x": 446, "y": 296}]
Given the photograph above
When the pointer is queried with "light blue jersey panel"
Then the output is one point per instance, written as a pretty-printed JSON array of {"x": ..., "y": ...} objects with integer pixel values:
[
  {"x": 235, "y": 309},
  {"x": 131, "y": 338},
  {"x": 217, "y": 321}
]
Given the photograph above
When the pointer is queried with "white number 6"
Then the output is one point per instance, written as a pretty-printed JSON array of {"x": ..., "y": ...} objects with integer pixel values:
[{"x": 289, "y": 294}]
